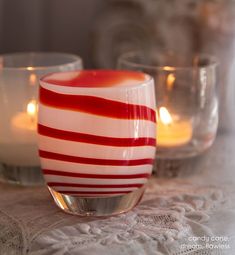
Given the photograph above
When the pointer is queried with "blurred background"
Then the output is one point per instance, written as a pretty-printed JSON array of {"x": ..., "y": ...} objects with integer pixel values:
[
  {"x": 48, "y": 25},
  {"x": 99, "y": 31}
]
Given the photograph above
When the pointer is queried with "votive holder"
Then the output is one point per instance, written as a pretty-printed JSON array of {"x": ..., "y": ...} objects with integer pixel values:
[
  {"x": 19, "y": 75},
  {"x": 97, "y": 138},
  {"x": 187, "y": 104}
]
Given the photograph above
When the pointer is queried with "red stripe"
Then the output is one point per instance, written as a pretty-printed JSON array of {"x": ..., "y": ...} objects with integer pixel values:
[
  {"x": 132, "y": 185},
  {"x": 97, "y": 78},
  {"x": 93, "y": 193},
  {"x": 94, "y": 139},
  {"x": 95, "y": 161},
  {"x": 97, "y": 106},
  {"x": 95, "y": 176}
]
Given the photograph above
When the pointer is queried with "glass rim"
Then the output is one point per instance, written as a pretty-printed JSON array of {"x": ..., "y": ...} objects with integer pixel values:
[
  {"x": 213, "y": 62},
  {"x": 137, "y": 84},
  {"x": 74, "y": 59}
]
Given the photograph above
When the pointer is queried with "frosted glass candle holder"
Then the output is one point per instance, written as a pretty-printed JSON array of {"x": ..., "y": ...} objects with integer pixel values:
[{"x": 19, "y": 75}]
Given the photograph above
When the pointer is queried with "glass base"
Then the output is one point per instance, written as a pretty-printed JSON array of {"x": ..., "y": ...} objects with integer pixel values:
[
  {"x": 97, "y": 206},
  {"x": 22, "y": 175},
  {"x": 170, "y": 168}
]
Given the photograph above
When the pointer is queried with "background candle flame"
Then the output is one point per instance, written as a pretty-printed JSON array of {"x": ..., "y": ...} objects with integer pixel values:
[
  {"x": 32, "y": 108},
  {"x": 165, "y": 116},
  {"x": 170, "y": 81},
  {"x": 168, "y": 68},
  {"x": 32, "y": 79},
  {"x": 27, "y": 120}
]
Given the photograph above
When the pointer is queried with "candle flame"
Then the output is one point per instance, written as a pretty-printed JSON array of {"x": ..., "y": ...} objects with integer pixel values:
[
  {"x": 32, "y": 79},
  {"x": 165, "y": 116},
  {"x": 170, "y": 81},
  {"x": 32, "y": 108},
  {"x": 168, "y": 68}
]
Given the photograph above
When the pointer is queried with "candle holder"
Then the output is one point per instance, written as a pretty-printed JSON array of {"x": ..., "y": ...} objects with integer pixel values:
[
  {"x": 97, "y": 163},
  {"x": 19, "y": 77},
  {"x": 187, "y": 105}
]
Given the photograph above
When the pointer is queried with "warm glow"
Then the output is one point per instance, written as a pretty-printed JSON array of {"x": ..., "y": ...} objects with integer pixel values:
[
  {"x": 30, "y": 68},
  {"x": 165, "y": 116},
  {"x": 32, "y": 107},
  {"x": 170, "y": 81},
  {"x": 171, "y": 130},
  {"x": 168, "y": 68},
  {"x": 32, "y": 79},
  {"x": 26, "y": 121}
]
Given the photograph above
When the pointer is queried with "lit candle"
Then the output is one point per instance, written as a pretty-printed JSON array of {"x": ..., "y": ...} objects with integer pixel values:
[
  {"x": 170, "y": 81},
  {"x": 32, "y": 79},
  {"x": 18, "y": 145},
  {"x": 172, "y": 132},
  {"x": 26, "y": 121}
]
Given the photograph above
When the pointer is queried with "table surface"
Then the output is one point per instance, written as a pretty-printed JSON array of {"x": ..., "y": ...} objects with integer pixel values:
[{"x": 191, "y": 214}]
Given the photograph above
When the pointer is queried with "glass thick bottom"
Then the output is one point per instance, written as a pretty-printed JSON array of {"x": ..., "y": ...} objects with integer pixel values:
[
  {"x": 22, "y": 175},
  {"x": 170, "y": 168},
  {"x": 176, "y": 161},
  {"x": 97, "y": 206}
]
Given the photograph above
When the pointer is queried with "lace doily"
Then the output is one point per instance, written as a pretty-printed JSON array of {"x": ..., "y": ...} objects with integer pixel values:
[{"x": 170, "y": 216}]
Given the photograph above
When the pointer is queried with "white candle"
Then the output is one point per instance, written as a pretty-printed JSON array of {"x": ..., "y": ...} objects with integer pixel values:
[
  {"x": 26, "y": 121},
  {"x": 19, "y": 144},
  {"x": 172, "y": 132}
]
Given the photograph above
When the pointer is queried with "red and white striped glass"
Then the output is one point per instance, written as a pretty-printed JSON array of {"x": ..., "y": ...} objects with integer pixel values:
[{"x": 97, "y": 139}]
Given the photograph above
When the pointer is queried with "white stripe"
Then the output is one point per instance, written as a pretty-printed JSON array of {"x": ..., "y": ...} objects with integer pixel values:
[
  {"x": 95, "y": 125},
  {"x": 93, "y": 150},
  {"x": 58, "y": 188},
  {"x": 94, "y": 169},
  {"x": 55, "y": 178},
  {"x": 141, "y": 95}
]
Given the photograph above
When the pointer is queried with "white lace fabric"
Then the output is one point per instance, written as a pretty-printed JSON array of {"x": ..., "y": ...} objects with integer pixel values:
[
  {"x": 171, "y": 212},
  {"x": 170, "y": 216}
]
